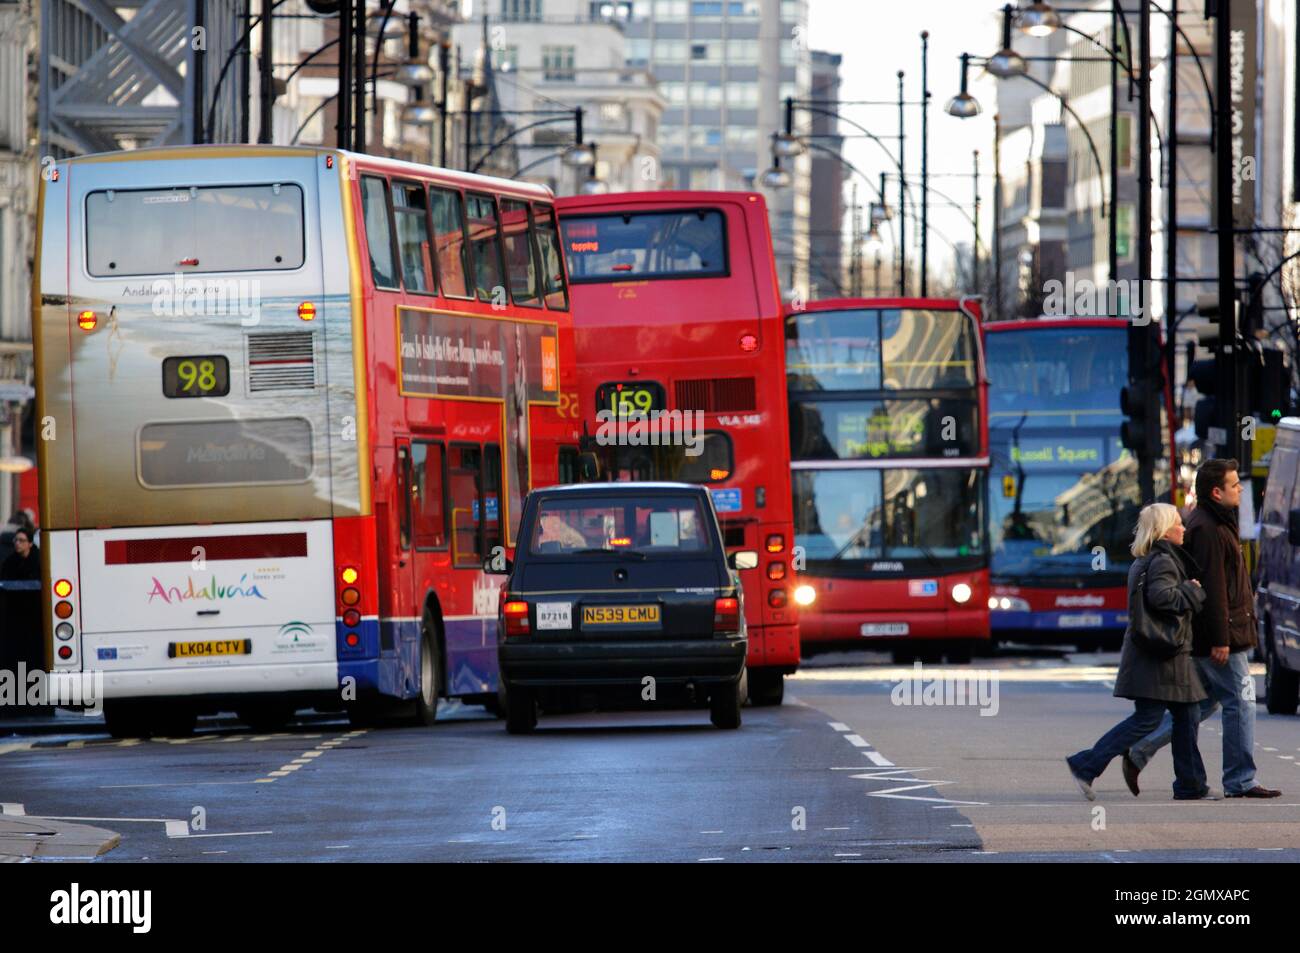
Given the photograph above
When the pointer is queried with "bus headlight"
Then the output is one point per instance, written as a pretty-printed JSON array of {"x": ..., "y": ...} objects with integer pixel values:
[
  {"x": 805, "y": 595},
  {"x": 961, "y": 593}
]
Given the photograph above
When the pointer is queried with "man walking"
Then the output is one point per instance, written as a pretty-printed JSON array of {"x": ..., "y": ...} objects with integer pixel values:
[{"x": 1223, "y": 633}]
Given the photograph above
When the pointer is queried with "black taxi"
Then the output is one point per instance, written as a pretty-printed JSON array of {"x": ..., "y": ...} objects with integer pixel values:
[{"x": 622, "y": 589}]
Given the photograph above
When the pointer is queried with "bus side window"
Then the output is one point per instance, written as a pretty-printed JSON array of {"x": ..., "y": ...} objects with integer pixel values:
[
  {"x": 448, "y": 216},
  {"x": 492, "y": 497},
  {"x": 463, "y": 473},
  {"x": 521, "y": 269},
  {"x": 379, "y": 232},
  {"x": 548, "y": 257},
  {"x": 427, "y": 497},
  {"x": 484, "y": 245},
  {"x": 413, "y": 237},
  {"x": 404, "y": 496}
]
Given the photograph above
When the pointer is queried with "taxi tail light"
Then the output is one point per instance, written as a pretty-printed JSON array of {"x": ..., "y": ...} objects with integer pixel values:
[
  {"x": 515, "y": 613},
  {"x": 777, "y": 598},
  {"x": 726, "y": 614}
]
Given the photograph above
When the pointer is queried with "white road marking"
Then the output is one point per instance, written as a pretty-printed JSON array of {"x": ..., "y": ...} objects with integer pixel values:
[
  {"x": 961, "y": 825},
  {"x": 278, "y": 774},
  {"x": 838, "y": 726},
  {"x": 290, "y": 767},
  {"x": 848, "y": 855},
  {"x": 706, "y": 860},
  {"x": 878, "y": 759},
  {"x": 312, "y": 754},
  {"x": 177, "y": 828},
  {"x": 1270, "y": 749},
  {"x": 835, "y": 828},
  {"x": 300, "y": 761},
  {"x": 1268, "y": 848},
  {"x": 233, "y": 834},
  {"x": 215, "y": 852},
  {"x": 12, "y": 809},
  {"x": 710, "y": 832},
  {"x": 338, "y": 846},
  {"x": 857, "y": 741}
]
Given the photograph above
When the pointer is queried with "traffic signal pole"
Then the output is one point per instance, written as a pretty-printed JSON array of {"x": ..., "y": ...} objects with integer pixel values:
[
  {"x": 1229, "y": 402},
  {"x": 1145, "y": 374}
]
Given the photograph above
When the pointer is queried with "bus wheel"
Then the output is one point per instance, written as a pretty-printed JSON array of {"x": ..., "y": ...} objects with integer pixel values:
[
  {"x": 267, "y": 716},
  {"x": 126, "y": 719},
  {"x": 766, "y": 687},
  {"x": 1281, "y": 685},
  {"x": 426, "y": 703},
  {"x": 521, "y": 710}
]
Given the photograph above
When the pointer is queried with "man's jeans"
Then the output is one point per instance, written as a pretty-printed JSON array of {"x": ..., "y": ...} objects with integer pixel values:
[
  {"x": 1232, "y": 687},
  {"x": 1189, "y": 771}
]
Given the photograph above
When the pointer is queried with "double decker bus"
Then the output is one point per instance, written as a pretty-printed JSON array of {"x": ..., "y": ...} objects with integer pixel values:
[
  {"x": 1063, "y": 493},
  {"x": 677, "y": 319},
  {"x": 889, "y": 458},
  {"x": 293, "y": 397}
]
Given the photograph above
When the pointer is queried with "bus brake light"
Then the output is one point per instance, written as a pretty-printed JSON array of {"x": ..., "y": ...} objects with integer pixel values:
[
  {"x": 749, "y": 342},
  {"x": 776, "y": 598}
]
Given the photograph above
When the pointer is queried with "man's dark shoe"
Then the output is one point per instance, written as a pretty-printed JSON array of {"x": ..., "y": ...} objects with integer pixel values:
[
  {"x": 1206, "y": 795},
  {"x": 1258, "y": 791},
  {"x": 1131, "y": 775}
]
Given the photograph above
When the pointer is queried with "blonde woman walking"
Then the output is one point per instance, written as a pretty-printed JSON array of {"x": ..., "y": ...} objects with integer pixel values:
[{"x": 1155, "y": 667}]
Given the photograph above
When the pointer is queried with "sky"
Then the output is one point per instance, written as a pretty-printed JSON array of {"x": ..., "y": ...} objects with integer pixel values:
[{"x": 877, "y": 38}]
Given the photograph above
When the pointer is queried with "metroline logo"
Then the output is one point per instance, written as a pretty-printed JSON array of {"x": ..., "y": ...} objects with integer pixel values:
[{"x": 76, "y": 906}]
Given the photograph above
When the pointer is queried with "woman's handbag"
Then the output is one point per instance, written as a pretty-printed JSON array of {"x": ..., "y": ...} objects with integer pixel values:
[{"x": 1155, "y": 632}]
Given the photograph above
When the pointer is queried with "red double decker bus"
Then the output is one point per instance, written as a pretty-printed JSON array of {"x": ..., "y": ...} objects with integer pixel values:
[
  {"x": 300, "y": 395},
  {"x": 677, "y": 321},
  {"x": 889, "y": 455},
  {"x": 1064, "y": 494}
]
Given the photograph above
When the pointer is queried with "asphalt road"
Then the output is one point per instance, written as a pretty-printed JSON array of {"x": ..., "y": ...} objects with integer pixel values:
[{"x": 839, "y": 773}]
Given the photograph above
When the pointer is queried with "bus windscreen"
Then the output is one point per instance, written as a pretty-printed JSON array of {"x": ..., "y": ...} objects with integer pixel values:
[{"x": 638, "y": 245}]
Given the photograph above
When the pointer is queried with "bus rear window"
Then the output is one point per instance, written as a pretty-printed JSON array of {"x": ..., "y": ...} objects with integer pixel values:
[
  {"x": 194, "y": 230},
  {"x": 225, "y": 452},
  {"x": 631, "y": 245}
]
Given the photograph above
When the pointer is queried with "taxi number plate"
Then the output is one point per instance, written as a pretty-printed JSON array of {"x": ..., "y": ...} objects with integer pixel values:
[
  {"x": 620, "y": 615},
  {"x": 206, "y": 649}
]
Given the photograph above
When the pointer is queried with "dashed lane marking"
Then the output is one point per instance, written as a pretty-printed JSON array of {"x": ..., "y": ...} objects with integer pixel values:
[
  {"x": 857, "y": 741},
  {"x": 876, "y": 758},
  {"x": 308, "y": 757},
  {"x": 838, "y": 726}
]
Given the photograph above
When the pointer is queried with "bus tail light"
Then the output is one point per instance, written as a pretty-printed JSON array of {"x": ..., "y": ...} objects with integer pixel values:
[
  {"x": 87, "y": 320},
  {"x": 350, "y": 596},
  {"x": 515, "y": 613},
  {"x": 65, "y": 652},
  {"x": 351, "y": 618},
  {"x": 776, "y": 570},
  {"x": 307, "y": 311},
  {"x": 775, "y": 543},
  {"x": 777, "y": 598},
  {"x": 353, "y": 640},
  {"x": 349, "y": 575},
  {"x": 63, "y": 588},
  {"x": 63, "y": 610},
  {"x": 726, "y": 614}
]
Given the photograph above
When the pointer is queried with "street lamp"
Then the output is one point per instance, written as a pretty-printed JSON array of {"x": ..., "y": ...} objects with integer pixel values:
[
  {"x": 786, "y": 145},
  {"x": 578, "y": 155},
  {"x": 1006, "y": 62},
  {"x": 593, "y": 185},
  {"x": 1039, "y": 19},
  {"x": 964, "y": 105}
]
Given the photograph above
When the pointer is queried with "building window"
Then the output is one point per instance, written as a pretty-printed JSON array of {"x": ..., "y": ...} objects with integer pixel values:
[
  {"x": 741, "y": 52},
  {"x": 705, "y": 95},
  {"x": 670, "y": 10},
  {"x": 521, "y": 9},
  {"x": 1124, "y": 232},
  {"x": 507, "y": 59},
  {"x": 669, "y": 51},
  {"x": 673, "y": 93},
  {"x": 1124, "y": 140},
  {"x": 706, "y": 9},
  {"x": 638, "y": 51},
  {"x": 612, "y": 112},
  {"x": 557, "y": 64},
  {"x": 742, "y": 95}
]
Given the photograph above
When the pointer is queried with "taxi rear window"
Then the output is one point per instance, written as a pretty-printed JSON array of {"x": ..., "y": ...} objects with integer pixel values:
[{"x": 659, "y": 525}]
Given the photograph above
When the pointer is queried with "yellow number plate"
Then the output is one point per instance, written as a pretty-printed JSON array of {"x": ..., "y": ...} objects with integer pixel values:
[
  {"x": 205, "y": 649},
  {"x": 620, "y": 615}
]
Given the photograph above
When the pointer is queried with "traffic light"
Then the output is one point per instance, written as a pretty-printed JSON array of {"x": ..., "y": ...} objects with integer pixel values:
[
  {"x": 1140, "y": 431},
  {"x": 1269, "y": 380},
  {"x": 1204, "y": 374}
]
